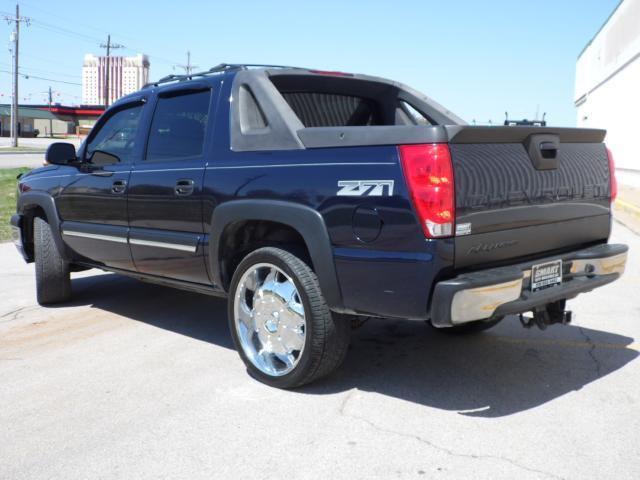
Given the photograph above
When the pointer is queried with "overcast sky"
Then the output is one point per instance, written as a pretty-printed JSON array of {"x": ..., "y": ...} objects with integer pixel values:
[{"x": 478, "y": 58}]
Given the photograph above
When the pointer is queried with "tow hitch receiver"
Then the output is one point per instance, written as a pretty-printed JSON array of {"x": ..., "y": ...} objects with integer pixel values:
[{"x": 546, "y": 315}]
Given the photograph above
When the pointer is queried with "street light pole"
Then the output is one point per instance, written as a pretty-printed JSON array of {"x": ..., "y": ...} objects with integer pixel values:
[{"x": 50, "y": 119}]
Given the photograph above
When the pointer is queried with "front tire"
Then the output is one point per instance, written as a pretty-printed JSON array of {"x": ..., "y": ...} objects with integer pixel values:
[
  {"x": 280, "y": 322},
  {"x": 53, "y": 280}
]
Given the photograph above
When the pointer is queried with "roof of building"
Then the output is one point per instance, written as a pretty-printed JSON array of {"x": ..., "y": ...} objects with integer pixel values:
[
  {"x": 28, "y": 112},
  {"x": 600, "y": 29},
  {"x": 54, "y": 112}
]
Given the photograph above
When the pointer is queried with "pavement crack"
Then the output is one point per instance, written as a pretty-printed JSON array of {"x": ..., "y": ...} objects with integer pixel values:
[
  {"x": 343, "y": 412},
  {"x": 591, "y": 352},
  {"x": 13, "y": 314}
]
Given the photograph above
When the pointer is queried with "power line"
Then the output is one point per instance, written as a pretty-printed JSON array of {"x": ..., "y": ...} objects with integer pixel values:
[{"x": 35, "y": 77}]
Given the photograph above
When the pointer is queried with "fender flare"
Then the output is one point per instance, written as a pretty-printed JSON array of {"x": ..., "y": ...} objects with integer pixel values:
[
  {"x": 46, "y": 203},
  {"x": 305, "y": 220}
]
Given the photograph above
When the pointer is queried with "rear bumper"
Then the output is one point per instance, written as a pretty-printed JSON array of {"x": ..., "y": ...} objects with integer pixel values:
[
  {"x": 16, "y": 234},
  {"x": 506, "y": 290}
]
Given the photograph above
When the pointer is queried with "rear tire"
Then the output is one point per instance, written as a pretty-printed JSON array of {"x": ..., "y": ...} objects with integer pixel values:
[
  {"x": 471, "y": 328},
  {"x": 280, "y": 322},
  {"x": 53, "y": 281}
]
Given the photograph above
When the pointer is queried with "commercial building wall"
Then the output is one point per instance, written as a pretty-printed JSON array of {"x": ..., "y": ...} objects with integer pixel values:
[
  {"x": 608, "y": 84},
  {"x": 126, "y": 75}
]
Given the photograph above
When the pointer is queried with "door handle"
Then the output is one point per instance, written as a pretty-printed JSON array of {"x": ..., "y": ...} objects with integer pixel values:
[
  {"x": 184, "y": 187},
  {"x": 119, "y": 186}
]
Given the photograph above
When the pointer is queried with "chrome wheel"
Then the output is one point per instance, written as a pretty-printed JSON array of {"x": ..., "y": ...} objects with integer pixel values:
[{"x": 269, "y": 319}]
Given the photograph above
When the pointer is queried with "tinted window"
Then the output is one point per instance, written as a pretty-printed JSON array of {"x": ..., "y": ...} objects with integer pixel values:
[
  {"x": 315, "y": 109},
  {"x": 413, "y": 114},
  {"x": 178, "y": 126},
  {"x": 117, "y": 135}
]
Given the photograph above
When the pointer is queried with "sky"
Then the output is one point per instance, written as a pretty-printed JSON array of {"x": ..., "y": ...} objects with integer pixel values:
[{"x": 478, "y": 58}]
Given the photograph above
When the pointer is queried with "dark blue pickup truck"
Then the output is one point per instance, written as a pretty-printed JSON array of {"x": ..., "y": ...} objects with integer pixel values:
[{"x": 312, "y": 198}]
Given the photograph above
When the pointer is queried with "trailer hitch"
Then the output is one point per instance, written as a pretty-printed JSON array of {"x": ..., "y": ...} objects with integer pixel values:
[{"x": 546, "y": 315}]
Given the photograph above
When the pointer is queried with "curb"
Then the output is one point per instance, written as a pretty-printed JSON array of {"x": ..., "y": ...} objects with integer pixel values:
[
  {"x": 628, "y": 206},
  {"x": 36, "y": 152}
]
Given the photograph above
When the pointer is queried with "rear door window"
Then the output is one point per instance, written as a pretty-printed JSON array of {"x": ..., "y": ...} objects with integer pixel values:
[{"x": 179, "y": 126}]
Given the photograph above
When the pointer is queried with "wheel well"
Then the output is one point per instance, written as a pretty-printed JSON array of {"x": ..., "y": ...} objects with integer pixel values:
[
  {"x": 241, "y": 238},
  {"x": 30, "y": 212}
]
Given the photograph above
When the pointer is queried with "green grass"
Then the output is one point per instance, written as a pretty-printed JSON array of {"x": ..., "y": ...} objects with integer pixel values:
[{"x": 8, "y": 199}]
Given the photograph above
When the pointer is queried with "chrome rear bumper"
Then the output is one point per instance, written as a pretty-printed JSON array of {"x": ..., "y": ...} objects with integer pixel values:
[{"x": 506, "y": 290}]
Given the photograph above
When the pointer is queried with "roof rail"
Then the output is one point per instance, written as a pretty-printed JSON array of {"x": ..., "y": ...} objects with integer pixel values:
[{"x": 222, "y": 67}]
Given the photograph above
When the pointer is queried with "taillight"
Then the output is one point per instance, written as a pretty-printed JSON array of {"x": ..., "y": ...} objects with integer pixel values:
[
  {"x": 331, "y": 73},
  {"x": 429, "y": 175},
  {"x": 613, "y": 183}
]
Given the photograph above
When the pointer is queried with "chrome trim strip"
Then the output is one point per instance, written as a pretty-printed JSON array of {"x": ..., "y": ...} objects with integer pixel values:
[
  {"x": 167, "y": 170},
  {"x": 327, "y": 164},
  {"x": 95, "y": 236},
  {"x": 171, "y": 246},
  {"x": 279, "y": 165}
]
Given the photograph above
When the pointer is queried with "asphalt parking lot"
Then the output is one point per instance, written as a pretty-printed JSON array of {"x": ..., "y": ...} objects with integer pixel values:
[{"x": 139, "y": 381}]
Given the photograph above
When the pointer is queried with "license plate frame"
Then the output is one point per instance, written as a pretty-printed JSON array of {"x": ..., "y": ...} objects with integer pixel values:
[{"x": 546, "y": 275}]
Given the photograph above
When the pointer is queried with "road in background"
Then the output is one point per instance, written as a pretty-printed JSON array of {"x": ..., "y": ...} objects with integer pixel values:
[
  {"x": 38, "y": 142},
  {"x": 18, "y": 160},
  {"x": 134, "y": 380}
]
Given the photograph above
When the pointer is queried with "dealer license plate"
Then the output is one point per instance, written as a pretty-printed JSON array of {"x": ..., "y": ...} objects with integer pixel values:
[{"x": 546, "y": 275}]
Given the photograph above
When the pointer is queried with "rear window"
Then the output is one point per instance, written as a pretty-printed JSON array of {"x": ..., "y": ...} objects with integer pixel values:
[
  {"x": 316, "y": 109},
  {"x": 343, "y": 101}
]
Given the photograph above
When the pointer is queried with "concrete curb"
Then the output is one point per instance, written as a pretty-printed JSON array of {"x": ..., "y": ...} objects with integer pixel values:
[{"x": 35, "y": 152}]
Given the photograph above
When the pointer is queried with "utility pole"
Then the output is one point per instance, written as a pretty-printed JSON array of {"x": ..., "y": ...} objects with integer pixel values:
[
  {"x": 50, "y": 119},
  {"x": 16, "y": 72},
  {"x": 109, "y": 46},
  {"x": 188, "y": 68}
]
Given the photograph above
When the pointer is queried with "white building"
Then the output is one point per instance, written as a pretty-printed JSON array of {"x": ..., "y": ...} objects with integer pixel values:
[
  {"x": 126, "y": 75},
  {"x": 608, "y": 83}
]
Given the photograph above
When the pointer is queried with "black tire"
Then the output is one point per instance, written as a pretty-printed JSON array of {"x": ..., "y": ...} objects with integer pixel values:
[
  {"x": 53, "y": 281},
  {"x": 471, "y": 327},
  {"x": 326, "y": 335}
]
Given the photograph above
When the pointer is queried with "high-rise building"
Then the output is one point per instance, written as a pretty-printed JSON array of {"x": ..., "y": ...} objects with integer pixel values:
[{"x": 126, "y": 75}]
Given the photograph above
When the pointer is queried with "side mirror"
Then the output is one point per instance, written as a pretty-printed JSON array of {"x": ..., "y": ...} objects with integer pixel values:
[
  {"x": 103, "y": 159},
  {"x": 60, "y": 153}
]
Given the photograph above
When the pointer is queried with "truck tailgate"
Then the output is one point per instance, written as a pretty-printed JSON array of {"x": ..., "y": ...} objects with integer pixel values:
[{"x": 523, "y": 191}]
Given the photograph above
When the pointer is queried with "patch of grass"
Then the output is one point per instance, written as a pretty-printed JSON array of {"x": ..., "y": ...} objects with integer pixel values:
[{"x": 8, "y": 184}]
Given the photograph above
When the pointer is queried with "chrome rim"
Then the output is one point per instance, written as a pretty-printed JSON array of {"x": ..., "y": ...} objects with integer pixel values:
[{"x": 269, "y": 319}]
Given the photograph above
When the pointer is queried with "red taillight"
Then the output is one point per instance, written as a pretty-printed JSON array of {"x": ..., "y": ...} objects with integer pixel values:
[
  {"x": 331, "y": 73},
  {"x": 429, "y": 175},
  {"x": 613, "y": 183}
]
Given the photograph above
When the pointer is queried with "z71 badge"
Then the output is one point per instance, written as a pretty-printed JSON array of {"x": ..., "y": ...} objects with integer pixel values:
[{"x": 362, "y": 188}]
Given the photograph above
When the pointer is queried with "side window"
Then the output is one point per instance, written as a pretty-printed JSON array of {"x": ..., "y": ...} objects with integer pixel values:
[
  {"x": 408, "y": 114},
  {"x": 178, "y": 126},
  {"x": 117, "y": 135}
]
